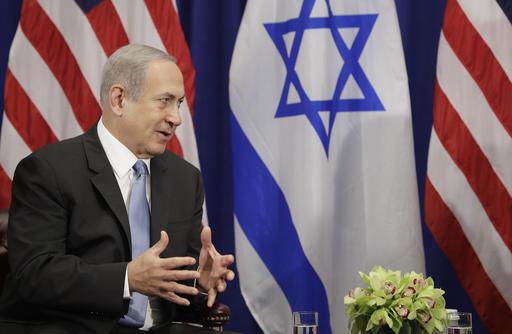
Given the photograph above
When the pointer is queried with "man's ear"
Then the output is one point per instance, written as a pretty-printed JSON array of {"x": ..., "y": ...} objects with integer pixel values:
[{"x": 117, "y": 99}]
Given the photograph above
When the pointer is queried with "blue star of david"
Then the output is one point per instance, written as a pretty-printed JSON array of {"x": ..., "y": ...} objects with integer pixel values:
[{"x": 312, "y": 108}]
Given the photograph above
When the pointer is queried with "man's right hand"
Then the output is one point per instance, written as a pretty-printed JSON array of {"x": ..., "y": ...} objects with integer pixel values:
[{"x": 151, "y": 275}]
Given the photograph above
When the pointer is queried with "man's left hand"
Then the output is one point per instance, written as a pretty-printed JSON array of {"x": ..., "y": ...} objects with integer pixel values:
[{"x": 213, "y": 267}]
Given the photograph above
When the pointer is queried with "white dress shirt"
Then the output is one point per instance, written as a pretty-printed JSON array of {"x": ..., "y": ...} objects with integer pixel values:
[{"x": 122, "y": 160}]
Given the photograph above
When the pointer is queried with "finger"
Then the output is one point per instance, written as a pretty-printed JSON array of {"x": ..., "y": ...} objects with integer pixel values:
[
  {"x": 178, "y": 261},
  {"x": 230, "y": 275},
  {"x": 159, "y": 247},
  {"x": 212, "y": 294},
  {"x": 206, "y": 237},
  {"x": 172, "y": 297},
  {"x": 179, "y": 288},
  {"x": 227, "y": 260},
  {"x": 180, "y": 275},
  {"x": 221, "y": 285}
]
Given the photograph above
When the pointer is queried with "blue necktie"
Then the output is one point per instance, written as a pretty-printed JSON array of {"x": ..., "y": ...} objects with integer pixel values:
[{"x": 138, "y": 216}]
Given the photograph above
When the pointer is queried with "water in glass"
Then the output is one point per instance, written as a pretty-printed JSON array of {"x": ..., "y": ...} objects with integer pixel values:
[
  {"x": 305, "y": 322},
  {"x": 458, "y": 322},
  {"x": 458, "y": 330},
  {"x": 305, "y": 329}
]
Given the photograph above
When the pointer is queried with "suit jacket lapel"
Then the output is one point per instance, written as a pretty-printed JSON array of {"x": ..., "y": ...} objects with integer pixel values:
[
  {"x": 105, "y": 181},
  {"x": 160, "y": 194}
]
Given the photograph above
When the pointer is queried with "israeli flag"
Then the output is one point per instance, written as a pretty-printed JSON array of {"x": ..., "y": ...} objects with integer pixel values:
[{"x": 324, "y": 174}]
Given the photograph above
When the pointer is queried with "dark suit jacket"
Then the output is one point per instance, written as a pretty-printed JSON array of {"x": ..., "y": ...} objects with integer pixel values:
[{"x": 69, "y": 236}]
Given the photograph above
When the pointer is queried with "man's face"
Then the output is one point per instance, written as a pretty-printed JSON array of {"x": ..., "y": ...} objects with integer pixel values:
[{"x": 149, "y": 123}]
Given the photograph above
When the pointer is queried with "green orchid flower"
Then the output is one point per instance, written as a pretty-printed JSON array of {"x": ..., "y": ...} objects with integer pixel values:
[{"x": 390, "y": 302}]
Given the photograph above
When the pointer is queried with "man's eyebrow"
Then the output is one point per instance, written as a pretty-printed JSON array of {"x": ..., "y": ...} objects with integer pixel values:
[{"x": 164, "y": 95}]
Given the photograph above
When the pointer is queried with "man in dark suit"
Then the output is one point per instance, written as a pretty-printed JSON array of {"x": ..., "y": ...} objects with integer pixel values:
[{"x": 85, "y": 212}]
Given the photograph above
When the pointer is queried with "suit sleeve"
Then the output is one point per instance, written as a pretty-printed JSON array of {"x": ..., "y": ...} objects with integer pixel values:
[
  {"x": 194, "y": 243},
  {"x": 198, "y": 303},
  {"x": 45, "y": 274}
]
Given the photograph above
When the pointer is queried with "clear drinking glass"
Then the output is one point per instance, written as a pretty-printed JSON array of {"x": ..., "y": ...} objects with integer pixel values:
[
  {"x": 459, "y": 323},
  {"x": 305, "y": 322}
]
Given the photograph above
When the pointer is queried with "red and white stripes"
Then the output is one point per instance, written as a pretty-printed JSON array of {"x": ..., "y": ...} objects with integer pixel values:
[
  {"x": 468, "y": 201},
  {"x": 54, "y": 72}
]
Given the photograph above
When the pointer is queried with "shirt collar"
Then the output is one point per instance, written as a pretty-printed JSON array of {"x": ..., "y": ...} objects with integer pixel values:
[{"x": 120, "y": 157}]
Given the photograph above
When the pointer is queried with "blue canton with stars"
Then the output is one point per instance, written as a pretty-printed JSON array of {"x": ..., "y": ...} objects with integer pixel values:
[{"x": 351, "y": 66}]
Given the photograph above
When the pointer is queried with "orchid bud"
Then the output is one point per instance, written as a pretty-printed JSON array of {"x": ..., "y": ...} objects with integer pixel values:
[
  {"x": 390, "y": 288},
  {"x": 409, "y": 292},
  {"x": 402, "y": 311},
  {"x": 419, "y": 282},
  {"x": 424, "y": 316}
]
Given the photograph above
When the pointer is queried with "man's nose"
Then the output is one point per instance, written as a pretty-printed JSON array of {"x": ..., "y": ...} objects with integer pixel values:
[{"x": 173, "y": 116}]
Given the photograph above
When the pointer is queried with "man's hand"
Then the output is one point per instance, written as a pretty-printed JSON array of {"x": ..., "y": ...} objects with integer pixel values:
[
  {"x": 213, "y": 267},
  {"x": 154, "y": 276}
]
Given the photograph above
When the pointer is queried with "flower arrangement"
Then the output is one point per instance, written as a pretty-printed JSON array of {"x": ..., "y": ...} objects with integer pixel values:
[{"x": 391, "y": 303}]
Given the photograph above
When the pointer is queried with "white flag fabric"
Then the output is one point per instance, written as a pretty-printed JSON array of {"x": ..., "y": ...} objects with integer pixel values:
[{"x": 324, "y": 173}]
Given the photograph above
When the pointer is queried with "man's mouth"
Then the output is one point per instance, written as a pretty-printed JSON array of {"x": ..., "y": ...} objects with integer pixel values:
[{"x": 165, "y": 134}]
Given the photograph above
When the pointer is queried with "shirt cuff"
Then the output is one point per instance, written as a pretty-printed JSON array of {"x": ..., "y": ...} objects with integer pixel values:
[{"x": 126, "y": 293}]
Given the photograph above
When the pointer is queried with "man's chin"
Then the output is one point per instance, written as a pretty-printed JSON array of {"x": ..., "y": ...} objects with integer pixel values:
[
  {"x": 157, "y": 149},
  {"x": 156, "y": 152},
  {"x": 150, "y": 152}
]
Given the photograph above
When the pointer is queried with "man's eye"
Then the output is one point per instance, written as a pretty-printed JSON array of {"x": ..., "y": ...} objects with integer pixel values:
[{"x": 165, "y": 100}]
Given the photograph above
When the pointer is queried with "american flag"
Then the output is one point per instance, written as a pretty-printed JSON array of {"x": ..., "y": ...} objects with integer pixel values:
[
  {"x": 468, "y": 201},
  {"x": 53, "y": 78}
]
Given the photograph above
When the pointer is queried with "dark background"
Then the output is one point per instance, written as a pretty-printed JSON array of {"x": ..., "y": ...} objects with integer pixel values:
[{"x": 210, "y": 28}]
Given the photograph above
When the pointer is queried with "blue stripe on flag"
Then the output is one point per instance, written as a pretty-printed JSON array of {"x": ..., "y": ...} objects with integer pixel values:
[
  {"x": 87, "y": 5},
  {"x": 506, "y": 6},
  {"x": 264, "y": 216}
]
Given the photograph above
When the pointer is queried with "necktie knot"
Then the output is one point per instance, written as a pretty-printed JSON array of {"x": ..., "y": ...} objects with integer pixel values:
[{"x": 140, "y": 168}]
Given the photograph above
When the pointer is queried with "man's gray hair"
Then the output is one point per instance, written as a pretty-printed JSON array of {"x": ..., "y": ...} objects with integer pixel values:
[{"x": 127, "y": 67}]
